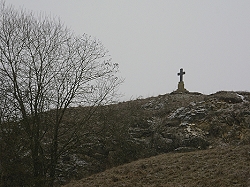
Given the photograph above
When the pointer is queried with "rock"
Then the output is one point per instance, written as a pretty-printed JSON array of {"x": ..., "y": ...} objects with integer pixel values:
[
  {"x": 228, "y": 97},
  {"x": 162, "y": 144},
  {"x": 185, "y": 149},
  {"x": 139, "y": 132}
]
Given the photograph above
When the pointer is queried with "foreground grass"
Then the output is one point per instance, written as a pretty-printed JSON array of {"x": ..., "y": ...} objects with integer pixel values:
[{"x": 228, "y": 166}]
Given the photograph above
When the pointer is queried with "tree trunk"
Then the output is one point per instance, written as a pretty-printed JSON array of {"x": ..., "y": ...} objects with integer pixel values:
[
  {"x": 53, "y": 157},
  {"x": 38, "y": 168}
]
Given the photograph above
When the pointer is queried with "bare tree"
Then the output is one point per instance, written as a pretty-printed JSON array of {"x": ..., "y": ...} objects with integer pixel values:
[{"x": 44, "y": 67}]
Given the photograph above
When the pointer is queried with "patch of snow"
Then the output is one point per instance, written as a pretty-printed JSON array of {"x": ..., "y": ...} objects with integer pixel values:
[
  {"x": 242, "y": 97},
  {"x": 174, "y": 114},
  {"x": 184, "y": 124},
  {"x": 79, "y": 162},
  {"x": 192, "y": 103},
  {"x": 189, "y": 129},
  {"x": 194, "y": 131}
]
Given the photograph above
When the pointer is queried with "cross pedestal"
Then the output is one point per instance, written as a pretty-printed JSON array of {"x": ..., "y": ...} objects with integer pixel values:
[{"x": 181, "y": 87}]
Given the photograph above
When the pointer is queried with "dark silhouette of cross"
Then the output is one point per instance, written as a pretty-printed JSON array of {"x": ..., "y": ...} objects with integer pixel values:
[{"x": 181, "y": 74}]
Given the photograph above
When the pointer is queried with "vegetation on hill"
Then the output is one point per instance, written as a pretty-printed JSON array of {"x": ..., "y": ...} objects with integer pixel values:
[
  {"x": 220, "y": 167},
  {"x": 188, "y": 127}
]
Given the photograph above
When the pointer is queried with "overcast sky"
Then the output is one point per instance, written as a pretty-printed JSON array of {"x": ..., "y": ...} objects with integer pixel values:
[{"x": 152, "y": 39}]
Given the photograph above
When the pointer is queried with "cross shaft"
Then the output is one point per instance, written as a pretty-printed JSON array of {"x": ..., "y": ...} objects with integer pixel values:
[{"x": 181, "y": 74}]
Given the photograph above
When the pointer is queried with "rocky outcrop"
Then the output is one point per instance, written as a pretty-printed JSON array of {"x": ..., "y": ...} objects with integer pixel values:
[{"x": 220, "y": 117}]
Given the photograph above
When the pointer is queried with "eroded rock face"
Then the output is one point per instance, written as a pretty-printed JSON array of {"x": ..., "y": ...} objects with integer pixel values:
[
  {"x": 223, "y": 116},
  {"x": 170, "y": 135}
]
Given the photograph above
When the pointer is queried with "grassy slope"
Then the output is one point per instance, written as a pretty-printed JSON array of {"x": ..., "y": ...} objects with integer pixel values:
[{"x": 224, "y": 166}]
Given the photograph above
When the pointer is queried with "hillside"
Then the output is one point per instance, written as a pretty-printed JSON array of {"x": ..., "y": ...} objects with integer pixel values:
[
  {"x": 188, "y": 127},
  {"x": 227, "y": 166}
]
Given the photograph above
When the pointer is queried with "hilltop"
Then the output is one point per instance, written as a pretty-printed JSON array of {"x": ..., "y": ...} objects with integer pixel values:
[{"x": 178, "y": 125}]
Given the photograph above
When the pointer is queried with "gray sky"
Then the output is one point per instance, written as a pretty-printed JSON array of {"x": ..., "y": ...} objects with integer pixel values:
[{"x": 152, "y": 39}]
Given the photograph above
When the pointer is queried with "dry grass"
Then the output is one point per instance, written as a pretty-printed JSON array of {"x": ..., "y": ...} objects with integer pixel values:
[{"x": 228, "y": 166}]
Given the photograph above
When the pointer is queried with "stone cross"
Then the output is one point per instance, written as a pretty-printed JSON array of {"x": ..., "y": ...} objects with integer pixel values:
[{"x": 181, "y": 74}]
